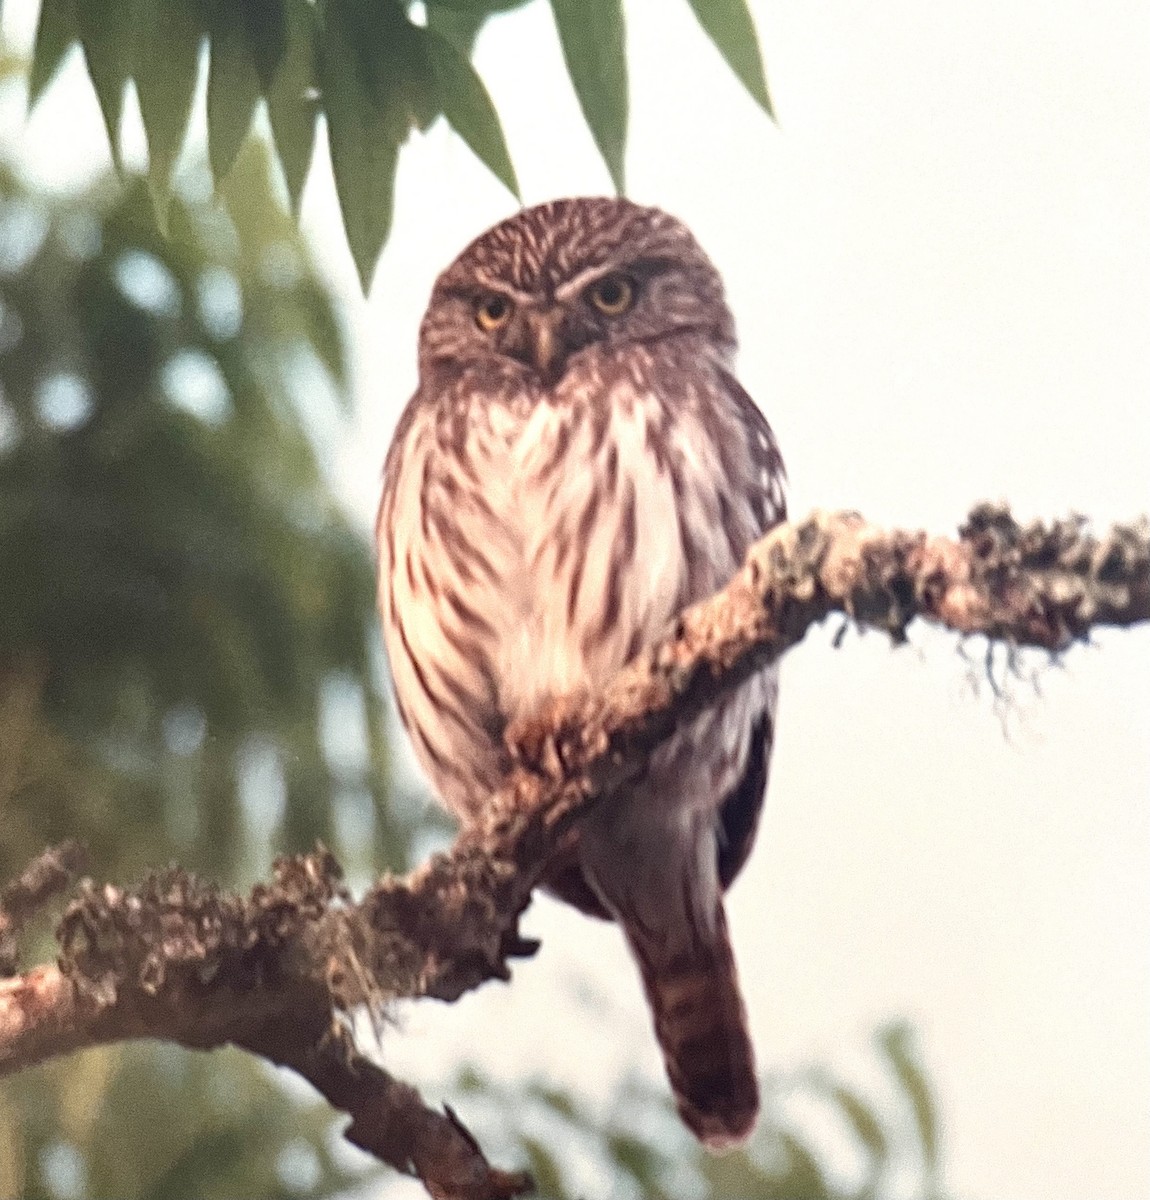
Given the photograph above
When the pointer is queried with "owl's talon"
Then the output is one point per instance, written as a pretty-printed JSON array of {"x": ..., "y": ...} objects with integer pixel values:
[
  {"x": 521, "y": 947},
  {"x": 536, "y": 741}
]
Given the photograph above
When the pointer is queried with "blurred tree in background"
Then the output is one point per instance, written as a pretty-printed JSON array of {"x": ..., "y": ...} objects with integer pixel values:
[
  {"x": 188, "y": 615},
  {"x": 182, "y": 592},
  {"x": 819, "y": 1138},
  {"x": 189, "y": 663}
]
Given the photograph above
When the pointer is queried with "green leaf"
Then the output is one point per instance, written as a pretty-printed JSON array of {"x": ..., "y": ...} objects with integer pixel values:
[
  {"x": 265, "y": 24},
  {"x": 326, "y": 335},
  {"x": 804, "y": 1176},
  {"x": 396, "y": 64},
  {"x": 634, "y": 1156},
  {"x": 12, "y": 65},
  {"x": 166, "y": 56},
  {"x": 233, "y": 91},
  {"x": 55, "y": 34},
  {"x": 865, "y": 1123},
  {"x": 559, "y": 1102},
  {"x": 470, "y": 1080},
  {"x": 460, "y": 26},
  {"x": 293, "y": 108},
  {"x": 728, "y": 23},
  {"x": 592, "y": 36},
  {"x": 469, "y": 110},
  {"x": 736, "y": 1174},
  {"x": 106, "y": 38},
  {"x": 460, "y": 20},
  {"x": 364, "y": 137},
  {"x": 544, "y": 1169},
  {"x": 896, "y": 1043},
  {"x": 481, "y": 7}
]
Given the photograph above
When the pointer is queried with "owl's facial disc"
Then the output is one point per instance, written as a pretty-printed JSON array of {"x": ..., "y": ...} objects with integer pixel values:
[{"x": 554, "y": 286}]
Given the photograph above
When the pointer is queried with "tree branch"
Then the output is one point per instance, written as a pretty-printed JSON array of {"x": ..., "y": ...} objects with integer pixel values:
[
  {"x": 279, "y": 971},
  {"x": 45, "y": 876}
]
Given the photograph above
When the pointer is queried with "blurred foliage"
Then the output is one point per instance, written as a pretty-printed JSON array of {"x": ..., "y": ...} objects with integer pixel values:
[
  {"x": 376, "y": 70},
  {"x": 189, "y": 663},
  {"x": 154, "y": 1122},
  {"x": 183, "y": 596},
  {"x": 818, "y": 1138}
]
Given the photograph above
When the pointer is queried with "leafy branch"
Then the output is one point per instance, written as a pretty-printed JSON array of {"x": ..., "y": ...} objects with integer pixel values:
[
  {"x": 373, "y": 72},
  {"x": 280, "y": 972}
]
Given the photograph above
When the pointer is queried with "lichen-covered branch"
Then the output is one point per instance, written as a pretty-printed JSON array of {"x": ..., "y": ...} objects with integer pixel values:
[
  {"x": 45, "y": 876},
  {"x": 279, "y": 971}
]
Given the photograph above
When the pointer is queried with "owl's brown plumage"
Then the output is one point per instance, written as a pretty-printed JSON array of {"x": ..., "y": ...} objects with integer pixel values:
[{"x": 577, "y": 465}]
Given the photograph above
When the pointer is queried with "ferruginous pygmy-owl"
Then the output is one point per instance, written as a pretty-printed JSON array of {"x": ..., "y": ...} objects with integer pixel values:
[{"x": 577, "y": 465}]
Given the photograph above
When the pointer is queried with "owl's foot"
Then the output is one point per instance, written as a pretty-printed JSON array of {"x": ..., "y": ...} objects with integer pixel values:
[{"x": 537, "y": 741}]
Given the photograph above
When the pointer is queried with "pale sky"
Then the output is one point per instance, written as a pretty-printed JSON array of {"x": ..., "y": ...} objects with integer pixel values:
[{"x": 940, "y": 265}]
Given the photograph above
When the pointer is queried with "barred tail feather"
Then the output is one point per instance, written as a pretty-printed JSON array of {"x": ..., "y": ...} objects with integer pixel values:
[{"x": 701, "y": 1026}]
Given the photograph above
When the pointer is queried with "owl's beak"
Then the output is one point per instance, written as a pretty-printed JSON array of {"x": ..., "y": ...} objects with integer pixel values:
[{"x": 545, "y": 346}]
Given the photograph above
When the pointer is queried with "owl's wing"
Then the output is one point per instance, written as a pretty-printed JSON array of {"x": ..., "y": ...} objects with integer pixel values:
[
  {"x": 742, "y": 807},
  {"x": 565, "y": 880},
  {"x": 739, "y": 815},
  {"x": 768, "y": 498}
]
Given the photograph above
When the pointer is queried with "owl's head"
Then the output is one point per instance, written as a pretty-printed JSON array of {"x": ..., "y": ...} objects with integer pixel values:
[{"x": 559, "y": 278}]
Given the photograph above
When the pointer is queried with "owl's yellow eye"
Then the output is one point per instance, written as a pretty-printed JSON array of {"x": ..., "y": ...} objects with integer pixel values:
[
  {"x": 612, "y": 295},
  {"x": 492, "y": 312}
]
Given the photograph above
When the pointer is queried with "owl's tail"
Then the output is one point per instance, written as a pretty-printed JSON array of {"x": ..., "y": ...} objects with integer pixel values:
[{"x": 701, "y": 1025}]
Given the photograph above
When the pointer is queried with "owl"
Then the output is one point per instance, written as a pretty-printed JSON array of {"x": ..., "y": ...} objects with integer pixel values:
[{"x": 578, "y": 464}]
